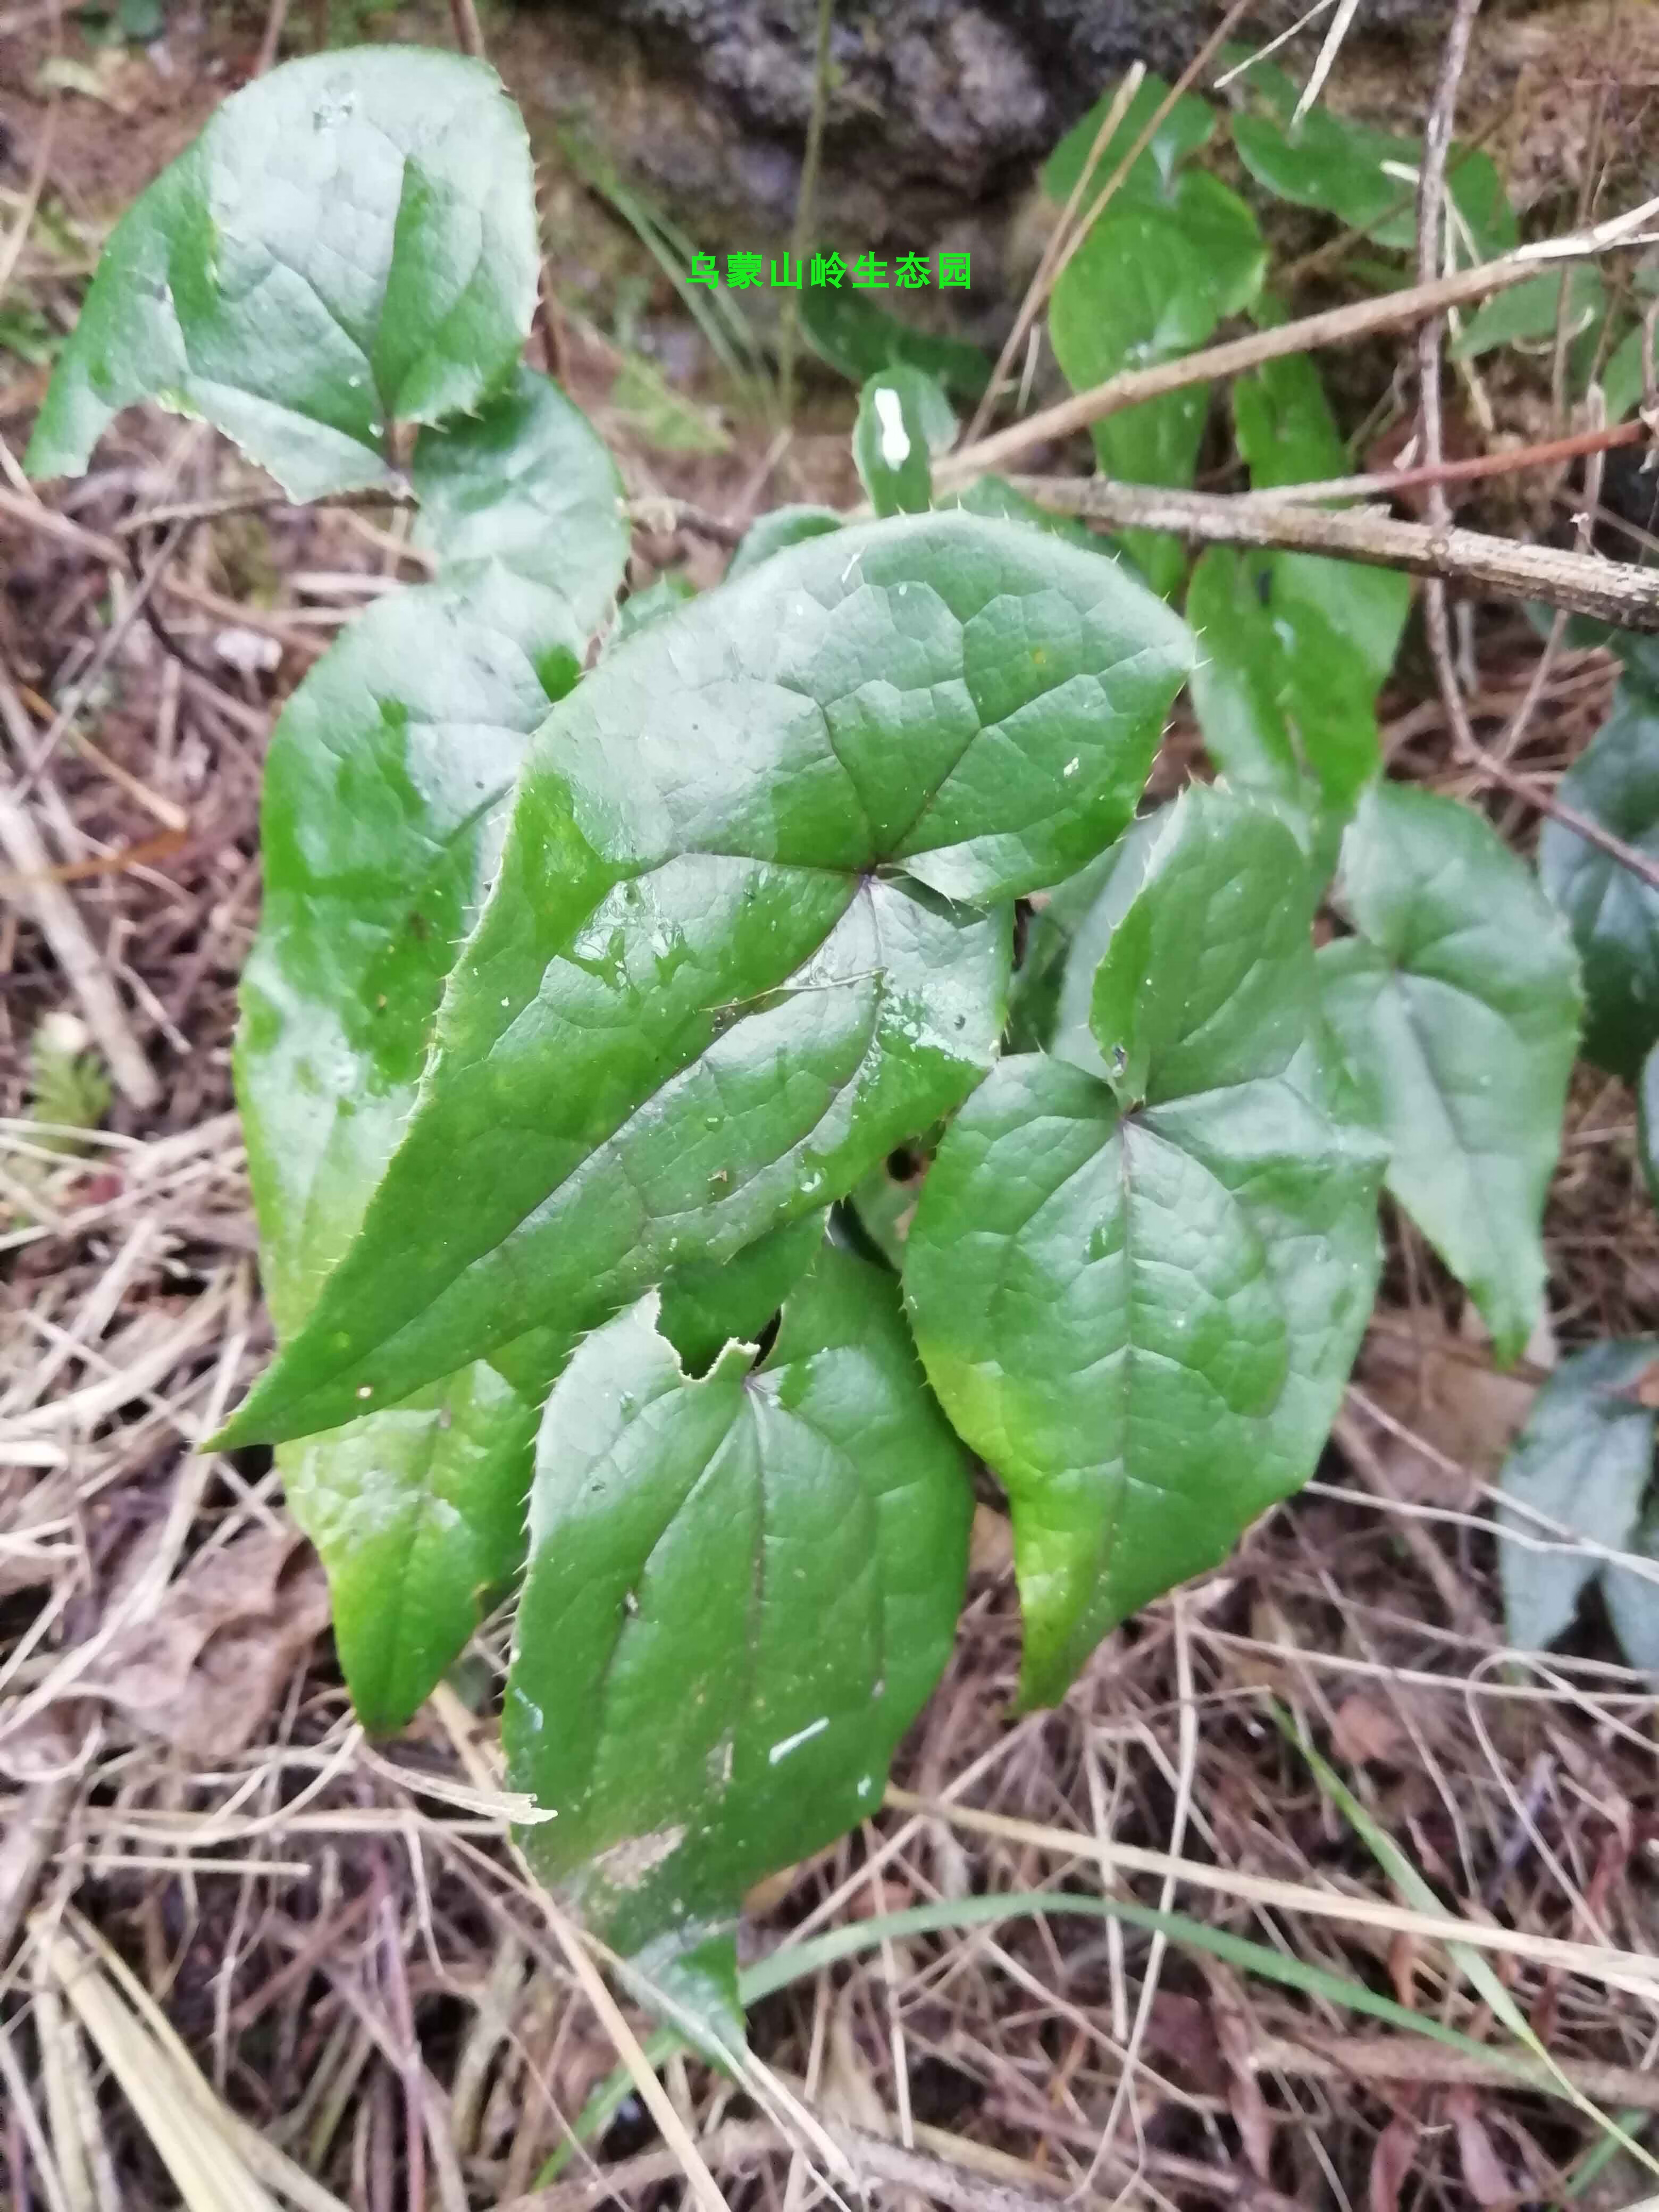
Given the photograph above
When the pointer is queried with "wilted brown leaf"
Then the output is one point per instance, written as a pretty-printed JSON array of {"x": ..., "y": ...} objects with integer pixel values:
[
  {"x": 1485, "y": 2175},
  {"x": 1391, "y": 2164},
  {"x": 207, "y": 1669},
  {"x": 1236, "y": 2038},
  {"x": 1363, "y": 1729}
]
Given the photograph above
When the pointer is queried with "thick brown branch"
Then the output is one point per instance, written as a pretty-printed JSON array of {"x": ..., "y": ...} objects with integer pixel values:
[{"x": 1583, "y": 583}]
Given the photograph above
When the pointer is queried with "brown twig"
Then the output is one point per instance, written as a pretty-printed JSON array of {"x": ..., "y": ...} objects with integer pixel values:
[
  {"x": 469, "y": 37},
  {"x": 272, "y": 38},
  {"x": 1473, "y": 470},
  {"x": 1042, "y": 280},
  {"x": 1611, "y": 590},
  {"x": 1391, "y": 311},
  {"x": 59, "y": 921},
  {"x": 931, "y": 2178}
]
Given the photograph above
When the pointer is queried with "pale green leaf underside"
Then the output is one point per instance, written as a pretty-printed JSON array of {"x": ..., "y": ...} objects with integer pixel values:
[
  {"x": 741, "y": 1590},
  {"x": 750, "y": 933},
  {"x": 1457, "y": 1007},
  {"x": 1583, "y": 1461},
  {"x": 351, "y": 242}
]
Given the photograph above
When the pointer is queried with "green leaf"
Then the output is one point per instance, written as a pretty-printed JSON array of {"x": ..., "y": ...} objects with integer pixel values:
[
  {"x": 995, "y": 498},
  {"x": 775, "y": 532},
  {"x": 641, "y": 609},
  {"x": 418, "y": 1516},
  {"x": 1288, "y": 435},
  {"x": 1624, "y": 375},
  {"x": 1613, "y": 914},
  {"x": 385, "y": 792},
  {"x": 1207, "y": 980},
  {"x": 524, "y": 484},
  {"x": 860, "y": 339},
  {"x": 903, "y": 420},
  {"x": 1633, "y": 1598},
  {"x": 386, "y": 797},
  {"x": 741, "y": 1590},
  {"x": 1364, "y": 176},
  {"x": 1188, "y": 128},
  {"x": 1527, "y": 314},
  {"x": 748, "y": 934},
  {"x": 707, "y": 1306},
  {"x": 1583, "y": 1460},
  {"x": 1295, "y": 648},
  {"x": 1067, "y": 935},
  {"x": 1241, "y": 676},
  {"x": 1456, "y": 1006},
  {"x": 1143, "y": 1320},
  {"x": 884, "y": 1202},
  {"x": 1152, "y": 280},
  {"x": 350, "y": 243}
]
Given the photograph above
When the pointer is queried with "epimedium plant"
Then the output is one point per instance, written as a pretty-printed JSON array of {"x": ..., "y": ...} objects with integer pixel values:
[{"x": 588, "y": 1007}]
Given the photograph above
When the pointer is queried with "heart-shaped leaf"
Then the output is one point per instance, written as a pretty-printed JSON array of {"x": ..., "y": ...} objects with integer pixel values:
[
  {"x": 1583, "y": 1461},
  {"x": 746, "y": 937},
  {"x": 741, "y": 1590},
  {"x": 386, "y": 797},
  {"x": 1456, "y": 1006},
  {"x": 1613, "y": 914},
  {"x": 1143, "y": 1318},
  {"x": 350, "y": 243}
]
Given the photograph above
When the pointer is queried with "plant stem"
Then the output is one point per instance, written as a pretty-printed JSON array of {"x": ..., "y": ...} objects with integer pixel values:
[{"x": 806, "y": 200}]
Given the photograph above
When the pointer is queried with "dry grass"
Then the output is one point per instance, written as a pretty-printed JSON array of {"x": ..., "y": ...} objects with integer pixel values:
[{"x": 248, "y": 1959}]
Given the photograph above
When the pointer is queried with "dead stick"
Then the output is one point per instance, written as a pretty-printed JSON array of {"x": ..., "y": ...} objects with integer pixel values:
[
  {"x": 1401, "y": 2059},
  {"x": 468, "y": 35},
  {"x": 1386, "y": 482},
  {"x": 1392, "y": 311},
  {"x": 1610, "y": 591},
  {"x": 60, "y": 924}
]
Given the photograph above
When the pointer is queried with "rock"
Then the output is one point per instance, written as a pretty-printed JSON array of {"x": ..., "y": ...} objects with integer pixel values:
[{"x": 929, "y": 97}]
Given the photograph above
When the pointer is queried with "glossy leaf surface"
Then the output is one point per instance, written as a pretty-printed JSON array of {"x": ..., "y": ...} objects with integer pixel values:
[
  {"x": 1613, "y": 914},
  {"x": 1457, "y": 1007},
  {"x": 745, "y": 937},
  {"x": 1143, "y": 1318},
  {"x": 708, "y": 1305},
  {"x": 385, "y": 800},
  {"x": 350, "y": 243},
  {"x": 741, "y": 1590},
  {"x": 1583, "y": 1461},
  {"x": 903, "y": 420}
]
